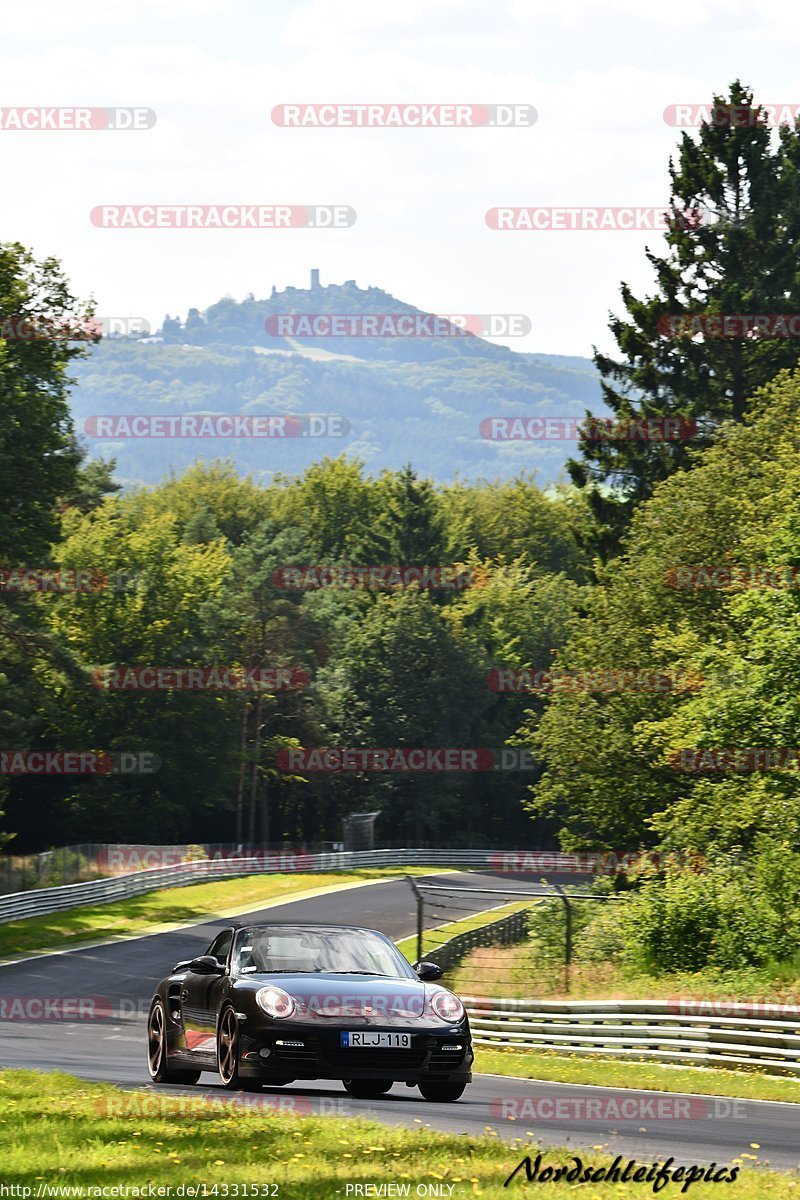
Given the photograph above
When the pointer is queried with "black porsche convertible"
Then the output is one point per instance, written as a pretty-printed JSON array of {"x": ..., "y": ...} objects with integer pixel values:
[{"x": 268, "y": 1004}]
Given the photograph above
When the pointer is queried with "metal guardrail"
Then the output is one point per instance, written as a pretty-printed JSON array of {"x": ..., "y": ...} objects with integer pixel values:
[
  {"x": 673, "y": 1031},
  {"x": 43, "y": 901}
]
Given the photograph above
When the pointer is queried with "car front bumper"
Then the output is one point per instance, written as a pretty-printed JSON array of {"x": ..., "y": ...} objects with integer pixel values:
[{"x": 300, "y": 1052}]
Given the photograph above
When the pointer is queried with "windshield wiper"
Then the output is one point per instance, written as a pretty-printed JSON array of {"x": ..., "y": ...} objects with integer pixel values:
[
  {"x": 377, "y": 974},
  {"x": 282, "y": 971},
  {"x": 318, "y": 971}
]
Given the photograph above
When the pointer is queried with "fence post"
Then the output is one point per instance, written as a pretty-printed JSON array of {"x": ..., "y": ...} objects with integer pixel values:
[
  {"x": 567, "y": 934},
  {"x": 420, "y": 914}
]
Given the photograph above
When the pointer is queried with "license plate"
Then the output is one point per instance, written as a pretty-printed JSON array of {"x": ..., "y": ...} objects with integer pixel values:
[{"x": 367, "y": 1040}]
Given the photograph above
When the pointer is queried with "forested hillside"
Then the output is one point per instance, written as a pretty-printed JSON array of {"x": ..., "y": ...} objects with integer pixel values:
[{"x": 404, "y": 398}]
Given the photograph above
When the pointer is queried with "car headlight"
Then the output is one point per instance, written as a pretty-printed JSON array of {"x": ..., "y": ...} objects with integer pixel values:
[
  {"x": 447, "y": 1006},
  {"x": 275, "y": 1002}
]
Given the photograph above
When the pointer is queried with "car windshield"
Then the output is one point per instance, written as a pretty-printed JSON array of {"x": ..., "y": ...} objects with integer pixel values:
[{"x": 282, "y": 950}]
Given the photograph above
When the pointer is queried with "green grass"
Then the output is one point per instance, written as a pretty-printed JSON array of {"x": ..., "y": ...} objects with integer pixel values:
[
  {"x": 609, "y": 1072},
  {"x": 60, "y": 1131},
  {"x": 442, "y": 933},
  {"x": 145, "y": 913},
  {"x": 529, "y": 969}
]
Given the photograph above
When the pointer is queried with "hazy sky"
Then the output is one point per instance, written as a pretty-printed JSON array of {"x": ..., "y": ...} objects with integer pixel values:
[{"x": 599, "y": 72}]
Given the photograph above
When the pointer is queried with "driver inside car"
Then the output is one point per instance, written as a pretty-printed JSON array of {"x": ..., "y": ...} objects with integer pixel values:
[{"x": 270, "y": 954}]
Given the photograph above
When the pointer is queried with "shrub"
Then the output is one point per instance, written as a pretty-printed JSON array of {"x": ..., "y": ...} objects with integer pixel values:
[{"x": 739, "y": 911}]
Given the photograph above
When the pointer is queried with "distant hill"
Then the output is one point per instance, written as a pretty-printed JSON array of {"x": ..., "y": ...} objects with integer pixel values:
[{"x": 407, "y": 399}]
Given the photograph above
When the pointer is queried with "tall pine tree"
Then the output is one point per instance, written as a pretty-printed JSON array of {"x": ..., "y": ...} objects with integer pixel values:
[{"x": 741, "y": 255}]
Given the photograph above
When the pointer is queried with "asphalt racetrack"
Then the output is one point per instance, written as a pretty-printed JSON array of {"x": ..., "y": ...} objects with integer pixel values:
[{"x": 121, "y": 977}]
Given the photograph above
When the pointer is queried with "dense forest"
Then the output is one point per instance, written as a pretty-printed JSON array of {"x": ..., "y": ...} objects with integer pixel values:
[{"x": 194, "y": 573}]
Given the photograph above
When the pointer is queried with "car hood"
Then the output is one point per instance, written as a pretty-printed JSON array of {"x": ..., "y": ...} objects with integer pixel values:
[{"x": 371, "y": 997}]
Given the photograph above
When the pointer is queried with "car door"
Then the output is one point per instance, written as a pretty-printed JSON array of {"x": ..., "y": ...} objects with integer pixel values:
[{"x": 200, "y": 1001}]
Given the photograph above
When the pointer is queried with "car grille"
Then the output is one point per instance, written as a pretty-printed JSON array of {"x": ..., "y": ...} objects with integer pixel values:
[
  {"x": 445, "y": 1060},
  {"x": 295, "y": 1054},
  {"x": 376, "y": 1060}
]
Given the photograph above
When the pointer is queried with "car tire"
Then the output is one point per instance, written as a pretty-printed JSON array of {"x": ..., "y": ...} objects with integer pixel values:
[
  {"x": 442, "y": 1092},
  {"x": 228, "y": 1053},
  {"x": 157, "y": 1054},
  {"x": 367, "y": 1089}
]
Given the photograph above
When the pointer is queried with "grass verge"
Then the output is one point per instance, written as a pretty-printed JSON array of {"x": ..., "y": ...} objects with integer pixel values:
[
  {"x": 610, "y": 1072},
  {"x": 59, "y": 1131},
  {"x": 442, "y": 933},
  {"x": 529, "y": 969},
  {"x": 145, "y": 913}
]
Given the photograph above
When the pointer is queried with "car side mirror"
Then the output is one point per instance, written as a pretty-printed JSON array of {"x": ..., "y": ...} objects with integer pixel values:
[
  {"x": 206, "y": 964},
  {"x": 428, "y": 971}
]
